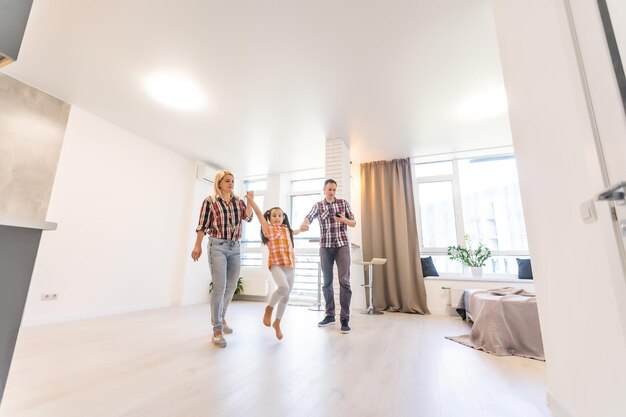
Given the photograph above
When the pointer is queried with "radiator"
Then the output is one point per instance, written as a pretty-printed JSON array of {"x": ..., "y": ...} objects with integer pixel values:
[
  {"x": 256, "y": 287},
  {"x": 454, "y": 295}
]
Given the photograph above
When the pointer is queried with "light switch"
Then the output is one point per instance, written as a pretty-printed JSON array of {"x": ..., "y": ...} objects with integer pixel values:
[{"x": 588, "y": 211}]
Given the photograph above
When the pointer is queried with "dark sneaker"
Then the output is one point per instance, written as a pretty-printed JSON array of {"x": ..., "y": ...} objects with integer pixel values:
[
  {"x": 328, "y": 320},
  {"x": 344, "y": 326}
]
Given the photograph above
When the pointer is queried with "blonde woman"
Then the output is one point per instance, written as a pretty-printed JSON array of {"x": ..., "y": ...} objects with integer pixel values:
[{"x": 221, "y": 219}]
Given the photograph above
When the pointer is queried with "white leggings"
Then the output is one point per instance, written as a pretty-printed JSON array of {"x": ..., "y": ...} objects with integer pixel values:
[{"x": 283, "y": 277}]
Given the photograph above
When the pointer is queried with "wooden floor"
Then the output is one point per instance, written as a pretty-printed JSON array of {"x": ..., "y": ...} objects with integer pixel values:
[{"x": 160, "y": 363}]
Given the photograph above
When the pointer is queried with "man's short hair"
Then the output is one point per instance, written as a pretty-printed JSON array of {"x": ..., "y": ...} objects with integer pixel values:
[{"x": 329, "y": 181}]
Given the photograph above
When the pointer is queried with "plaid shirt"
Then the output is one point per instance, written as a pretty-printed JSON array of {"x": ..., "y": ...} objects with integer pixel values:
[
  {"x": 334, "y": 234},
  {"x": 280, "y": 247},
  {"x": 221, "y": 219}
]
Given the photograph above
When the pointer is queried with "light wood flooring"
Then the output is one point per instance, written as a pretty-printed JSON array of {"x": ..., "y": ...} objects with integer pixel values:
[{"x": 160, "y": 363}]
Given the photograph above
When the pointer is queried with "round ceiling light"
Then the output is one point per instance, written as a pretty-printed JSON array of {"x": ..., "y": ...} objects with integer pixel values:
[{"x": 174, "y": 90}]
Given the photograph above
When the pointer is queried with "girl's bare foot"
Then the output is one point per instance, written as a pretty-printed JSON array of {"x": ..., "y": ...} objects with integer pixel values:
[
  {"x": 276, "y": 326},
  {"x": 267, "y": 317}
]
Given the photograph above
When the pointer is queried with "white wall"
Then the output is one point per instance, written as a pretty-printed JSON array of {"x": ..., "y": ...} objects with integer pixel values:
[
  {"x": 440, "y": 301},
  {"x": 123, "y": 205},
  {"x": 574, "y": 264},
  {"x": 197, "y": 275}
]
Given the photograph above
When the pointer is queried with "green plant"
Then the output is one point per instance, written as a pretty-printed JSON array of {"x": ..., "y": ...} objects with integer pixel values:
[
  {"x": 474, "y": 257},
  {"x": 238, "y": 290}
]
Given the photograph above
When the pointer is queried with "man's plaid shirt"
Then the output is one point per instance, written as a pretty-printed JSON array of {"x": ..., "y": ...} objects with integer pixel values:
[{"x": 333, "y": 233}]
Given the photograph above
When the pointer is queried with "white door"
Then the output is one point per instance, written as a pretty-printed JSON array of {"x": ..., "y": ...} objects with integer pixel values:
[
  {"x": 600, "y": 27},
  {"x": 569, "y": 133},
  {"x": 613, "y": 15}
]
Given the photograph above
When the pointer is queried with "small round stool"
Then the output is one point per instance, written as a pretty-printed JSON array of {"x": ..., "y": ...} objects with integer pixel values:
[{"x": 370, "y": 287}]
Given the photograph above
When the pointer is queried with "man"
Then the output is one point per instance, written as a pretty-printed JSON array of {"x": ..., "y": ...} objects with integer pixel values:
[{"x": 334, "y": 215}]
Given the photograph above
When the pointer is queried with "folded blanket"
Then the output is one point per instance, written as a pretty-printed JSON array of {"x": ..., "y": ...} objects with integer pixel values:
[{"x": 511, "y": 291}]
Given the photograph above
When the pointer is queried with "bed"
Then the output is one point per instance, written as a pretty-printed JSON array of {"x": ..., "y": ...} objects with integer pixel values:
[{"x": 505, "y": 322}]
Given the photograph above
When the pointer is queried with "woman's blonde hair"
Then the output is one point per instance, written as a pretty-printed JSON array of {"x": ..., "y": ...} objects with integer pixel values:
[{"x": 219, "y": 176}]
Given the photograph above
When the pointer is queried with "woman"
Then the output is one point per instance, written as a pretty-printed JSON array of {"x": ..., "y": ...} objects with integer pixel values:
[{"x": 221, "y": 218}]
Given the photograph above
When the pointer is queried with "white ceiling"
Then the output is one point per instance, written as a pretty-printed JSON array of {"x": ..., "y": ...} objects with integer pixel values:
[{"x": 280, "y": 76}]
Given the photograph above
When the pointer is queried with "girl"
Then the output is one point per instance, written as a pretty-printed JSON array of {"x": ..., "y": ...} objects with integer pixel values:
[
  {"x": 221, "y": 218},
  {"x": 276, "y": 233}
]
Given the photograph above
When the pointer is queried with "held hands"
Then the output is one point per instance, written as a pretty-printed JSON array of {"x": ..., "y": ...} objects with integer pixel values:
[
  {"x": 304, "y": 227},
  {"x": 250, "y": 195},
  {"x": 196, "y": 252}
]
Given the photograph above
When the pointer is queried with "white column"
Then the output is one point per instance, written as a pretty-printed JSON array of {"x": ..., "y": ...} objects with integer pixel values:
[{"x": 338, "y": 166}]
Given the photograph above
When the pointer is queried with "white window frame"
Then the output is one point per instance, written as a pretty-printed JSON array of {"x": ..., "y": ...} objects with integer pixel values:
[
  {"x": 457, "y": 206},
  {"x": 291, "y": 194},
  {"x": 245, "y": 250},
  {"x": 312, "y": 254}
]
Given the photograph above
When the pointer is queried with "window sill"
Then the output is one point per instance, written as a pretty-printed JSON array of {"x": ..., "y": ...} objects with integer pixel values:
[{"x": 484, "y": 278}]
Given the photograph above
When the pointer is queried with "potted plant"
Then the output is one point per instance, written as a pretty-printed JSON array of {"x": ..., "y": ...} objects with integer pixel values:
[
  {"x": 238, "y": 290},
  {"x": 475, "y": 258}
]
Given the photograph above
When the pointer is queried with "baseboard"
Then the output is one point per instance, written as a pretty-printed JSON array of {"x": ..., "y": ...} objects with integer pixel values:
[
  {"x": 244, "y": 297},
  {"x": 89, "y": 315},
  {"x": 557, "y": 408}
]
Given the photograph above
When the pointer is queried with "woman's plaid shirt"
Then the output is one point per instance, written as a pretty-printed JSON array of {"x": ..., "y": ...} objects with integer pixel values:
[{"x": 221, "y": 219}]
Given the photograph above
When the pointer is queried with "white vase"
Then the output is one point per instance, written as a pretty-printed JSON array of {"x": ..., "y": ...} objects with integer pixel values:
[{"x": 477, "y": 271}]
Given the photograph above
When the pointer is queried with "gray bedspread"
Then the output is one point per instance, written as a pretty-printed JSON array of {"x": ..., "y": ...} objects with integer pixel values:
[{"x": 506, "y": 322}]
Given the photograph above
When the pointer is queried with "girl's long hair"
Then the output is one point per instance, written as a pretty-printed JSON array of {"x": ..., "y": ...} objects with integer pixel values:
[{"x": 267, "y": 215}]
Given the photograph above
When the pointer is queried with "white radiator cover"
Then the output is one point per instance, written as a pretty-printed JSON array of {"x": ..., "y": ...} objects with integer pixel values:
[{"x": 455, "y": 296}]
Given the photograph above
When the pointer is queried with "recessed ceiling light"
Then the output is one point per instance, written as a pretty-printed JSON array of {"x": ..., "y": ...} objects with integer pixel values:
[
  {"x": 174, "y": 90},
  {"x": 483, "y": 105}
]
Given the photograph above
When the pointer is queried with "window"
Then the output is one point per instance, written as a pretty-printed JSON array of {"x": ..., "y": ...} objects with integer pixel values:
[
  {"x": 437, "y": 214},
  {"x": 251, "y": 233},
  {"x": 492, "y": 206},
  {"x": 303, "y": 195},
  {"x": 251, "y": 255},
  {"x": 478, "y": 196}
]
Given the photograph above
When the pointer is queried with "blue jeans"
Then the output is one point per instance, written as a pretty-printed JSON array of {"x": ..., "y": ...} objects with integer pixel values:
[
  {"x": 341, "y": 255},
  {"x": 225, "y": 264}
]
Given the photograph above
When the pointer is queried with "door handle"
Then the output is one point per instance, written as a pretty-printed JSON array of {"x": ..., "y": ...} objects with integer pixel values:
[{"x": 615, "y": 193}]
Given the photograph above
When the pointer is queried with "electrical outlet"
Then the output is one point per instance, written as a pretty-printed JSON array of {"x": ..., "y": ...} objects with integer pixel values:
[{"x": 49, "y": 297}]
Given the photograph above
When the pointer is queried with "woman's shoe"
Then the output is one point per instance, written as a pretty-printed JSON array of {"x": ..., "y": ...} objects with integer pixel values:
[
  {"x": 218, "y": 340},
  {"x": 226, "y": 328}
]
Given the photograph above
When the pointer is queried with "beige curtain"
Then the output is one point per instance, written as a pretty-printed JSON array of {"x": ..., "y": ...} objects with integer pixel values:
[{"x": 390, "y": 231}]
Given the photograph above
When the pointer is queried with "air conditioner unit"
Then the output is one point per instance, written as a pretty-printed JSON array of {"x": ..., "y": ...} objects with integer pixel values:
[
  {"x": 205, "y": 173},
  {"x": 13, "y": 18}
]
